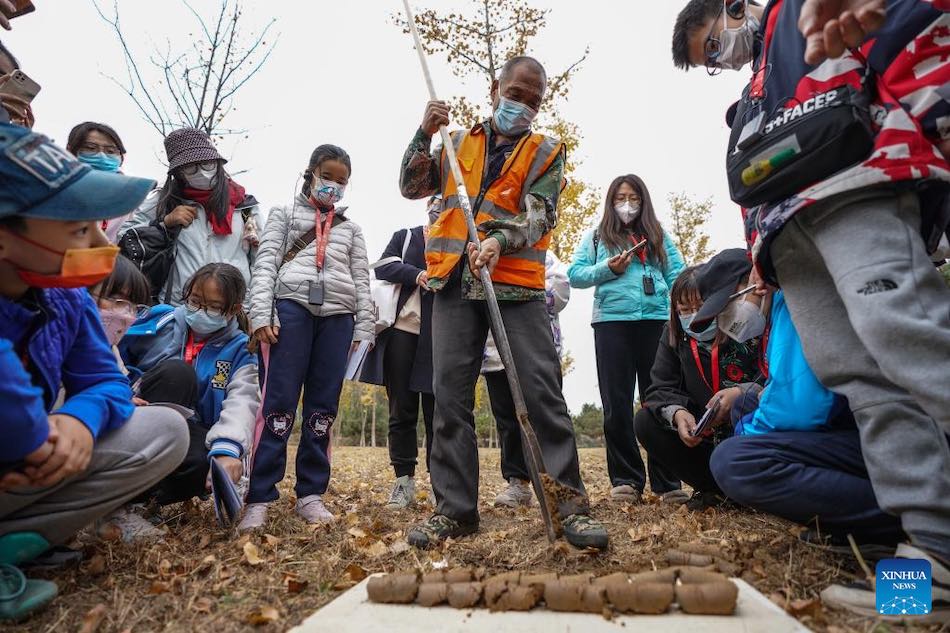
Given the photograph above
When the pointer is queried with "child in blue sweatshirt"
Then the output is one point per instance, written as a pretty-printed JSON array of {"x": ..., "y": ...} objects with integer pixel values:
[
  {"x": 63, "y": 468},
  {"x": 196, "y": 356}
]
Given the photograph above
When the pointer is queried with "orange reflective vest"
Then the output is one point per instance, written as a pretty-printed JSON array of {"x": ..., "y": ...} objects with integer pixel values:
[{"x": 500, "y": 199}]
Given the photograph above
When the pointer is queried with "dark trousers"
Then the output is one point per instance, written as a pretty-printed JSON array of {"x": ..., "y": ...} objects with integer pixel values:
[
  {"x": 459, "y": 329},
  {"x": 174, "y": 381},
  {"x": 666, "y": 450},
  {"x": 404, "y": 404},
  {"x": 625, "y": 354},
  {"x": 810, "y": 478},
  {"x": 310, "y": 353},
  {"x": 509, "y": 431},
  {"x": 506, "y": 421}
]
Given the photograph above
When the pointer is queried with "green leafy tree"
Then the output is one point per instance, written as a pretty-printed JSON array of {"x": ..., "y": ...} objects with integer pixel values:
[
  {"x": 688, "y": 227},
  {"x": 589, "y": 425}
]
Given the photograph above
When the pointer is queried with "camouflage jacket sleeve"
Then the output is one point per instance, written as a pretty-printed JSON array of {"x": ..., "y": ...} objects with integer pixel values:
[
  {"x": 419, "y": 174},
  {"x": 539, "y": 216}
]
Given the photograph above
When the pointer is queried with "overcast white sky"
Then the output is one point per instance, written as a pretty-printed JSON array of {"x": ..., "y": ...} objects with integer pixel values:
[{"x": 343, "y": 74}]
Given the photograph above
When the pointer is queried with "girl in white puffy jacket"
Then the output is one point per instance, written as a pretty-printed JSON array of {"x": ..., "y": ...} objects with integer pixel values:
[{"x": 310, "y": 305}]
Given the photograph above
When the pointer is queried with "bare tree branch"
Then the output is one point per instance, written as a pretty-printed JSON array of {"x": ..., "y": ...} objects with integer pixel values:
[{"x": 200, "y": 82}]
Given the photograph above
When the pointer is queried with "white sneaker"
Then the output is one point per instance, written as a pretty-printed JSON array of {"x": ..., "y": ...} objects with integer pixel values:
[
  {"x": 403, "y": 494},
  {"x": 312, "y": 510},
  {"x": 255, "y": 516},
  {"x": 518, "y": 493},
  {"x": 129, "y": 526}
]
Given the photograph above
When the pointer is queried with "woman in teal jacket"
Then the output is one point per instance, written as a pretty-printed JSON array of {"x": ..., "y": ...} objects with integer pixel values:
[{"x": 631, "y": 303}]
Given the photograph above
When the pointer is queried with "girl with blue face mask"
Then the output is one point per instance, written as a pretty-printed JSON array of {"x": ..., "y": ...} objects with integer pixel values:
[
  {"x": 689, "y": 369},
  {"x": 310, "y": 308},
  {"x": 204, "y": 337},
  {"x": 100, "y": 147}
]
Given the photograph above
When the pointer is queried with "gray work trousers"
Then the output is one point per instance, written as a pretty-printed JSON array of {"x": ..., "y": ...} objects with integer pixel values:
[
  {"x": 459, "y": 329},
  {"x": 125, "y": 463},
  {"x": 874, "y": 319}
]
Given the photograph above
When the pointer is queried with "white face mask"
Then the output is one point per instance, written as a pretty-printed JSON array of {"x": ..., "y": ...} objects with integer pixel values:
[
  {"x": 627, "y": 212},
  {"x": 741, "y": 321},
  {"x": 736, "y": 45},
  {"x": 205, "y": 178}
]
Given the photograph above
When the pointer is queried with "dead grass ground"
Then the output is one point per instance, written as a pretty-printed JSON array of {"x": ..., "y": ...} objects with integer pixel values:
[{"x": 204, "y": 579}]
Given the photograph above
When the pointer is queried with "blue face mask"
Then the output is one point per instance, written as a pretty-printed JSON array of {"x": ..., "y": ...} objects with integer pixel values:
[
  {"x": 512, "y": 118},
  {"x": 101, "y": 161},
  {"x": 703, "y": 337},
  {"x": 203, "y": 324}
]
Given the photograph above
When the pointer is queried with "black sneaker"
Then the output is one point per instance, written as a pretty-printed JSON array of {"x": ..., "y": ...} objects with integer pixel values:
[
  {"x": 582, "y": 530},
  {"x": 839, "y": 545},
  {"x": 702, "y": 500},
  {"x": 436, "y": 529}
]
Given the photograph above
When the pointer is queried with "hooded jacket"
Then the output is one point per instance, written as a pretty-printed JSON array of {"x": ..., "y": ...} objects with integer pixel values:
[
  {"x": 228, "y": 390},
  {"x": 59, "y": 334}
]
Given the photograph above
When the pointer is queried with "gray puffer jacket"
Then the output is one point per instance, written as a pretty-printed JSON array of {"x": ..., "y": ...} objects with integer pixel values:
[{"x": 345, "y": 270}]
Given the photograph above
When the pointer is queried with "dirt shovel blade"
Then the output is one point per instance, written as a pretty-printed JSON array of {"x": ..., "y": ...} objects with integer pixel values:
[{"x": 544, "y": 485}]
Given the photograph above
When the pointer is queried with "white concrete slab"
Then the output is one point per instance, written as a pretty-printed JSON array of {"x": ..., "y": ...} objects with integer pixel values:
[{"x": 352, "y": 612}]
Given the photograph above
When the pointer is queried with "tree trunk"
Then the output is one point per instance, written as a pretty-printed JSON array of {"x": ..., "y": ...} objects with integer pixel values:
[
  {"x": 372, "y": 433},
  {"x": 362, "y": 427}
]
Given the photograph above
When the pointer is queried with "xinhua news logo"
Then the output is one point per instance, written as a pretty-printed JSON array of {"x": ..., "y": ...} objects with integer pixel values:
[{"x": 903, "y": 587}]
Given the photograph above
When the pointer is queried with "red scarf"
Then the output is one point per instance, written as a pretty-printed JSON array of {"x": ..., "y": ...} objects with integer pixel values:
[{"x": 236, "y": 196}]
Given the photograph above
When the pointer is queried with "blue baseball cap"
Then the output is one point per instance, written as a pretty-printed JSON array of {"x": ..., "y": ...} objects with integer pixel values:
[{"x": 41, "y": 180}]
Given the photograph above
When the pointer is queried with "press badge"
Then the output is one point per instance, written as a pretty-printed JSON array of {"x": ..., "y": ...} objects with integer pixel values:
[{"x": 316, "y": 290}]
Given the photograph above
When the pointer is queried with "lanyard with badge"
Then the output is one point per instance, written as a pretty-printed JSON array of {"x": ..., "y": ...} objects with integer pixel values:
[
  {"x": 639, "y": 242},
  {"x": 714, "y": 364},
  {"x": 192, "y": 348},
  {"x": 323, "y": 238}
]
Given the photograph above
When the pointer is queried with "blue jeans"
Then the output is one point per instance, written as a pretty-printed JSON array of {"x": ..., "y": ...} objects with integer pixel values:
[
  {"x": 310, "y": 353},
  {"x": 812, "y": 478}
]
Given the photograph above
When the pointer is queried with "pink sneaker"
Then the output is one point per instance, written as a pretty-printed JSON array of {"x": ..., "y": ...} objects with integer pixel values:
[{"x": 312, "y": 510}]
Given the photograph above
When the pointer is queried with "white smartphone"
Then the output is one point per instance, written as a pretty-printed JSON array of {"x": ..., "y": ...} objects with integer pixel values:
[{"x": 636, "y": 247}]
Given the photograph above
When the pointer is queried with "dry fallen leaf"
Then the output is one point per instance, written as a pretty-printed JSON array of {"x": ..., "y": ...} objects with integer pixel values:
[
  {"x": 204, "y": 541},
  {"x": 272, "y": 540},
  {"x": 97, "y": 565},
  {"x": 351, "y": 575},
  {"x": 356, "y": 532},
  {"x": 399, "y": 547},
  {"x": 263, "y": 615},
  {"x": 165, "y": 567},
  {"x": 296, "y": 586},
  {"x": 810, "y": 607},
  {"x": 92, "y": 619},
  {"x": 375, "y": 550},
  {"x": 159, "y": 587},
  {"x": 203, "y": 605},
  {"x": 252, "y": 555}
]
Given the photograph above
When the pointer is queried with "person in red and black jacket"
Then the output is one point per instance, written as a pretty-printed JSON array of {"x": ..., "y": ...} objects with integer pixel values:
[
  {"x": 691, "y": 370},
  {"x": 873, "y": 313}
]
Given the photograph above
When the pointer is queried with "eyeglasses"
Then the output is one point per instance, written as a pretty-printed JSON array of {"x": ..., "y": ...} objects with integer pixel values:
[
  {"x": 94, "y": 148},
  {"x": 194, "y": 168},
  {"x": 193, "y": 306},
  {"x": 631, "y": 198},
  {"x": 128, "y": 307},
  {"x": 712, "y": 48}
]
